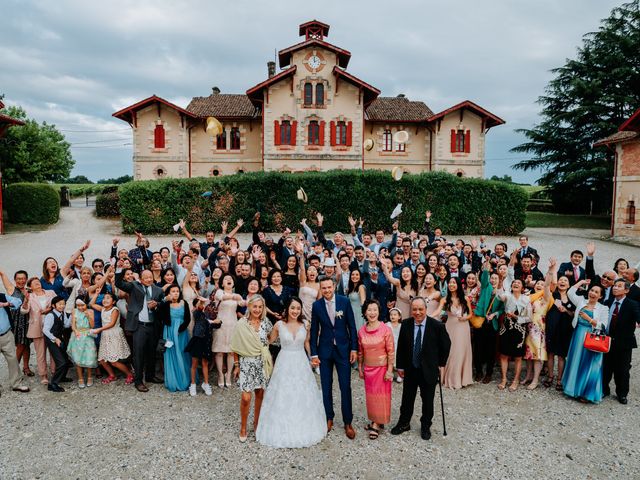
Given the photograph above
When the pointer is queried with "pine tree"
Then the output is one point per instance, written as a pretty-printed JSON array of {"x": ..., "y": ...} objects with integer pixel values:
[{"x": 587, "y": 100}]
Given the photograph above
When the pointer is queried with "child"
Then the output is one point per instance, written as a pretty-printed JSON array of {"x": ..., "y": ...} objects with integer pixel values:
[
  {"x": 53, "y": 328},
  {"x": 396, "y": 318},
  {"x": 82, "y": 348},
  {"x": 113, "y": 344},
  {"x": 199, "y": 347}
]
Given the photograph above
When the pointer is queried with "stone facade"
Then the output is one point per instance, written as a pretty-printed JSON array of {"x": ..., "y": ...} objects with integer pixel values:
[{"x": 312, "y": 115}]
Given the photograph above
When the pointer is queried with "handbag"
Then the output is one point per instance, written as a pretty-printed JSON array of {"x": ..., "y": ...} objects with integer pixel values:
[
  {"x": 476, "y": 320},
  {"x": 597, "y": 341},
  {"x": 211, "y": 310},
  {"x": 162, "y": 345}
]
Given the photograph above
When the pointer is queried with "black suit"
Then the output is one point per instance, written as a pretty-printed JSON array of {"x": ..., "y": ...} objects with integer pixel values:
[
  {"x": 434, "y": 354},
  {"x": 145, "y": 335},
  {"x": 634, "y": 293},
  {"x": 617, "y": 362},
  {"x": 568, "y": 267}
]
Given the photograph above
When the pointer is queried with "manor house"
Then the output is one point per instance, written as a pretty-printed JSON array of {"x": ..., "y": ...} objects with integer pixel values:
[{"x": 313, "y": 114}]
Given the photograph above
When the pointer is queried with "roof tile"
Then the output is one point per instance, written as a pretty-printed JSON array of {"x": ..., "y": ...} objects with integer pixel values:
[
  {"x": 397, "y": 109},
  {"x": 223, "y": 105}
]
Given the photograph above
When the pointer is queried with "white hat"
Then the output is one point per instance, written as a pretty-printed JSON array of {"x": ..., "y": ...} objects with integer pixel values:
[
  {"x": 396, "y": 211},
  {"x": 397, "y": 173},
  {"x": 368, "y": 144},
  {"x": 329, "y": 262},
  {"x": 401, "y": 136},
  {"x": 302, "y": 195}
]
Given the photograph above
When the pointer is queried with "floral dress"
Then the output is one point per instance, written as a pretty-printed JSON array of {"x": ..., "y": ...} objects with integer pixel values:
[
  {"x": 252, "y": 375},
  {"x": 82, "y": 349}
]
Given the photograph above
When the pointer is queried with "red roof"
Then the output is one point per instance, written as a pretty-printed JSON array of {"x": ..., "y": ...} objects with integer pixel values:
[
  {"x": 617, "y": 137},
  {"x": 314, "y": 23},
  {"x": 223, "y": 105},
  {"x": 255, "y": 93},
  {"x": 370, "y": 92},
  {"x": 632, "y": 124},
  {"x": 7, "y": 120},
  {"x": 284, "y": 56},
  {"x": 397, "y": 109},
  {"x": 126, "y": 113},
  {"x": 491, "y": 119}
]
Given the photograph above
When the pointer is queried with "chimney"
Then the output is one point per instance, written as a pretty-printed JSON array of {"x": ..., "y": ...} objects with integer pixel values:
[
  {"x": 215, "y": 90},
  {"x": 271, "y": 68},
  {"x": 401, "y": 95}
]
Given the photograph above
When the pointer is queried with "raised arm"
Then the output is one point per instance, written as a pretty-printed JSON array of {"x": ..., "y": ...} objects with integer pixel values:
[
  {"x": 233, "y": 232},
  {"x": 67, "y": 266},
  {"x": 8, "y": 286},
  {"x": 387, "y": 273},
  {"x": 185, "y": 232},
  {"x": 549, "y": 279}
]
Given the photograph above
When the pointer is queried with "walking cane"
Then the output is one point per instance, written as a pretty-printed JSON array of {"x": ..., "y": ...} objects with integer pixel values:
[{"x": 444, "y": 425}]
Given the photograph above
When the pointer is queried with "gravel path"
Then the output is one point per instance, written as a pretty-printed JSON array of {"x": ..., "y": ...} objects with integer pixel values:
[{"x": 114, "y": 432}]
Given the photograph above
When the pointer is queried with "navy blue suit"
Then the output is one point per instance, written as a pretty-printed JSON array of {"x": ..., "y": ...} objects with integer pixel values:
[{"x": 332, "y": 344}]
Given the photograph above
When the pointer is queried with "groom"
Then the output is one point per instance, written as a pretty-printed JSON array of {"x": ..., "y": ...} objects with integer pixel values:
[{"x": 334, "y": 341}]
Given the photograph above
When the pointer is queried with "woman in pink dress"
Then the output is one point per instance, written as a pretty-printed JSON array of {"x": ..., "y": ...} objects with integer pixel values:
[
  {"x": 375, "y": 365},
  {"x": 458, "y": 372}
]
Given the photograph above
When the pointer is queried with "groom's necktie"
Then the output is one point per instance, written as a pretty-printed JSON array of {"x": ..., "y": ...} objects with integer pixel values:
[
  {"x": 331, "y": 311},
  {"x": 417, "y": 347}
]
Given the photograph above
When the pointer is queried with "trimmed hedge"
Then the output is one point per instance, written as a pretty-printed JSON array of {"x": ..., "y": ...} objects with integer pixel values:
[
  {"x": 458, "y": 205},
  {"x": 32, "y": 203},
  {"x": 108, "y": 203}
]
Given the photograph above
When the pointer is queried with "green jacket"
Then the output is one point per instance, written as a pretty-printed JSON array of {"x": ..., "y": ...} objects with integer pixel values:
[{"x": 486, "y": 291}]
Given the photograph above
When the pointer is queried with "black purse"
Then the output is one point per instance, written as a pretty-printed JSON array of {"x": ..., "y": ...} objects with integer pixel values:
[{"x": 162, "y": 346}]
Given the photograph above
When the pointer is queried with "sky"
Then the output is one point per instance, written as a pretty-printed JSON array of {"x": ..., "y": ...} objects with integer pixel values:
[{"x": 74, "y": 63}]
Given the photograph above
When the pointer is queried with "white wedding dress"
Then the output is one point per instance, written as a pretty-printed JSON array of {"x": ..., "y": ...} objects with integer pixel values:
[{"x": 292, "y": 414}]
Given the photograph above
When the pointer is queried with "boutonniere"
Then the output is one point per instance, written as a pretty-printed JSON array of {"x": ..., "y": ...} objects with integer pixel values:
[{"x": 339, "y": 314}]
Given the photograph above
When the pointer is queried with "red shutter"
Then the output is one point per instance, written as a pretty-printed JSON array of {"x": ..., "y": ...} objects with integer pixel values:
[
  {"x": 349, "y": 130},
  {"x": 158, "y": 136},
  {"x": 294, "y": 128},
  {"x": 276, "y": 129},
  {"x": 467, "y": 141},
  {"x": 332, "y": 133},
  {"x": 453, "y": 140},
  {"x": 321, "y": 136}
]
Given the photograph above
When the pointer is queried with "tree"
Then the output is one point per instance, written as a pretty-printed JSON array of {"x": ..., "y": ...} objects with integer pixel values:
[
  {"x": 116, "y": 181},
  {"x": 504, "y": 178},
  {"x": 588, "y": 99},
  {"x": 34, "y": 152},
  {"x": 78, "y": 179}
]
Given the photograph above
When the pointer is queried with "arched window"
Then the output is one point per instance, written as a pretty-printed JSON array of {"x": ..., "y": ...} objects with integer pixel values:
[
  {"x": 285, "y": 133},
  {"x": 158, "y": 137},
  {"x": 308, "y": 94},
  {"x": 387, "y": 141},
  {"x": 221, "y": 140},
  {"x": 314, "y": 133},
  {"x": 235, "y": 138},
  {"x": 319, "y": 94}
]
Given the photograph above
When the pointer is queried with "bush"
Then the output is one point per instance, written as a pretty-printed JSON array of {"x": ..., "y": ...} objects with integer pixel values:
[
  {"x": 32, "y": 203},
  {"x": 459, "y": 205},
  {"x": 108, "y": 203}
]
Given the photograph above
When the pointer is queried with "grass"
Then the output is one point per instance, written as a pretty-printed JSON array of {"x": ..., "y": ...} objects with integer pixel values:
[{"x": 556, "y": 220}]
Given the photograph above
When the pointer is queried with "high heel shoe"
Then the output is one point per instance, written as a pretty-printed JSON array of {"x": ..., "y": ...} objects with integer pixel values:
[
  {"x": 514, "y": 386},
  {"x": 548, "y": 382}
]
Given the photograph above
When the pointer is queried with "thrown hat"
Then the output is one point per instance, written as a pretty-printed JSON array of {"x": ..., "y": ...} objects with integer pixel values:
[
  {"x": 329, "y": 262},
  {"x": 396, "y": 211},
  {"x": 302, "y": 195},
  {"x": 79, "y": 301},
  {"x": 397, "y": 173}
]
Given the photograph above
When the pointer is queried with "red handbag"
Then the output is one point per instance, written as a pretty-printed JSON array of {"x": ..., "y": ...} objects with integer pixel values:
[{"x": 597, "y": 341}]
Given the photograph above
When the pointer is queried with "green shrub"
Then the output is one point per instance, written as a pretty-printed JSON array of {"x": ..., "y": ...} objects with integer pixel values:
[
  {"x": 458, "y": 205},
  {"x": 32, "y": 203},
  {"x": 108, "y": 203}
]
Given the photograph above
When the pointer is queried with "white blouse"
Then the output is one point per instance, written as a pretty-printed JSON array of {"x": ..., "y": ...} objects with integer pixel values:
[{"x": 522, "y": 305}]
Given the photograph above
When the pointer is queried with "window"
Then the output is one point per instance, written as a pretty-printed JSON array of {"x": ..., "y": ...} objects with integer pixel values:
[
  {"x": 221, "y": 140},
  {"x": 631, "y": 213},
  {"x": 401, "y": 147},
  {"x": 314, "y": 133},
  {"x": 285, "y": 133},
  {"x": 341, "y": 133},
  {"x": 387, "y": 141},
  {"x": 235, "y": 138},
  {"x": 158, "y": 137},
  {"x": 460, "y": 137},
  {"x": 308, "y": 94},
  {"x": 319, "y": 94},
  {"x": 460, "y": 141}
]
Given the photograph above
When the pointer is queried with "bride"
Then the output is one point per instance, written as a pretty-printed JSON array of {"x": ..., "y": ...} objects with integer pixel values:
[{"x": 292, "y": 411}]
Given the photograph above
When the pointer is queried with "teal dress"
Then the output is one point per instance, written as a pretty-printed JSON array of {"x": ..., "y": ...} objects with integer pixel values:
[
  {"x": 82, "y": 350},
  {"x": 177, "y": 363},
  {"x": 582, "y": 376}
]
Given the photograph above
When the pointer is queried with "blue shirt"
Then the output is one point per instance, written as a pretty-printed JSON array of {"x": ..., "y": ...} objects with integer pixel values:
[{"x": 5, "y": 324}]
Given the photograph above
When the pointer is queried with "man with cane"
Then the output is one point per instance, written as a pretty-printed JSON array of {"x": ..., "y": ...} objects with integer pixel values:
[{"x": 423, "y": 347}]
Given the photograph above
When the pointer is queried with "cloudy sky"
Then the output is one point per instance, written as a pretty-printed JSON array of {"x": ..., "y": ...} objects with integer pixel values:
[{"x": 74, "y": 63}]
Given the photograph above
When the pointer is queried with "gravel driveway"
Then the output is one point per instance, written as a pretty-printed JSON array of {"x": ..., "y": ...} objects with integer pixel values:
[{"x": 114, "y": 432}]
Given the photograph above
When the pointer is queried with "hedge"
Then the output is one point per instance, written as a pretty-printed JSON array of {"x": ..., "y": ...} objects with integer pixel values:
[
  {"x": 32, "y": 203},
  {"x": 108, "y": 203},
  {"x": 458, "y": 205}
]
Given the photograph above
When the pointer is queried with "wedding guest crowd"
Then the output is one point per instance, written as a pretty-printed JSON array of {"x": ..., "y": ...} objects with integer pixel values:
[{"x": 418, "y": 309}]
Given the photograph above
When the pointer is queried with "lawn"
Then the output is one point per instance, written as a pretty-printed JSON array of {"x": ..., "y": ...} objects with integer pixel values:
[{"x": 556, "y": 220}]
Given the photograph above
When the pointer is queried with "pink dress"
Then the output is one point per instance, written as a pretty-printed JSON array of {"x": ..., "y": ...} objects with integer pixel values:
[
  {"x": 375, "y": 347},
  {"x": 459, "y": 370}
]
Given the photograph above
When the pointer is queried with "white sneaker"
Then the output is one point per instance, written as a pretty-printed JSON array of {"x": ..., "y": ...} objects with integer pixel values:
[
  {"x": 192, "y": 389},
  {"x": 206, "y": 387}
]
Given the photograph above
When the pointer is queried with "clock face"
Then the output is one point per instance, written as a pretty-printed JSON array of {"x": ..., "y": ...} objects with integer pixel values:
[{"x": 314, "y": 62}]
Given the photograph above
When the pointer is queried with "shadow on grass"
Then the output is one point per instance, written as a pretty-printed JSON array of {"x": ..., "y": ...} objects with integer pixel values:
[{"x": 556, "y": 220}]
